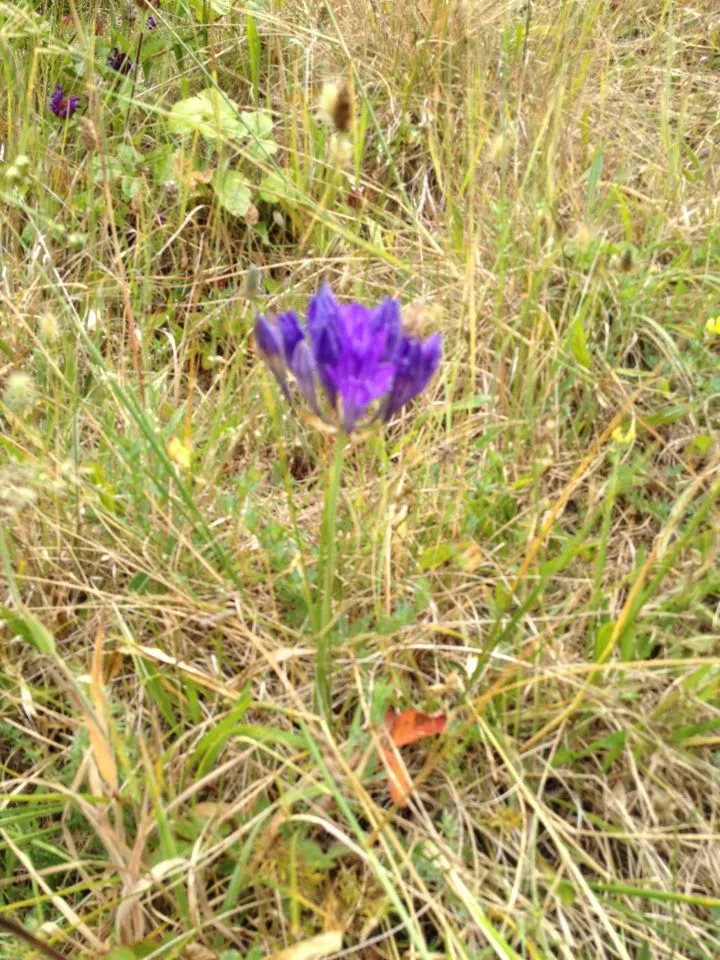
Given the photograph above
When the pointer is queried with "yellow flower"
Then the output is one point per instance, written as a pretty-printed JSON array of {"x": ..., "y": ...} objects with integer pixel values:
[
  {"x": 180, "y": 453},
  {"x": 624, "y": 437},
  {"x": 713, "y": 325}
]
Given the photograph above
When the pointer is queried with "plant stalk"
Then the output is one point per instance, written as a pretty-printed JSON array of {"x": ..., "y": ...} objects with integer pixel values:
[{"x": 326, "y": 580}]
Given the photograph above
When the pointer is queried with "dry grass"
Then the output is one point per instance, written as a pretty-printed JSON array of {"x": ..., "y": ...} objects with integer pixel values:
[{"x": 532, "y": 549}]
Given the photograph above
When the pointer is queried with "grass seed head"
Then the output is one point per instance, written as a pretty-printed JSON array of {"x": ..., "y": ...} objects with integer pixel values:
[{"x": 336, "y": 105}]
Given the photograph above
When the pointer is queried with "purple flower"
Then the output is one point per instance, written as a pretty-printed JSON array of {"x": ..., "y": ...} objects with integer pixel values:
[
  {"x": 270, "y": 343},
  {"x": 151, "y": 22},
  {"x": 359, "y": 354},
  {"x": 62, "y": 106},
  {"x": 416, "y": 362},
  {"x": 120, "y": 61}
]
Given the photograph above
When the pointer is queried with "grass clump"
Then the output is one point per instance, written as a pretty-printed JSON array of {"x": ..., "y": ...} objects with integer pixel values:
[{"x": 531, "y": 550}]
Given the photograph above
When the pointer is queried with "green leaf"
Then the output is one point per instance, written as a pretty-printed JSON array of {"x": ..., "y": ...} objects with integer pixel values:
[
  {"x": 219, "y": 7},
  {"x": 436, "y": 556},
  {"x": 208, "y": 750},
  {"x": 210, "y": 113},
  {"x": 566, "y": 892},
  {"x": 382, "y": 697},
  {"x": 700, "y": 445},
  {"x": 232, "y": 192},
  {"x": 262, "y": 149},
  {"x": 602, "y": 639},
  {"x": 130, "y": 187},
  {"x": 615, "y": 745},
  {"x": 258, "y": 127},
  {"x": 160, "y": 163},
  {"x": 276, "y": 187},
  {"x": 578, "y": 343},
  {"x": 106, "y": 167},
  {"x": 128, "y": 156},
  {"x": 24, "y": 624},
  {"x": 257, "y": 123},
  {"x": 253, "y": 41},
  {"x": 254, "y": 731},
  {"x": 140, "y": 583}
]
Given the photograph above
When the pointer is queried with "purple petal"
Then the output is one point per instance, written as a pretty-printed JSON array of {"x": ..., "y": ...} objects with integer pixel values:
[
  {"x": 364, "y": 345},
  {"x": 120, "y": 61},
  {"x": 416, "y": 363},
  {"x": 269, "y": 341},
  {"x": 357, "y": 326},
  {"x": 431, "y": 356},
  {"x": 323, "y": 323},
  {"x": 357, "y": 393},
  {"x": 268, "y": 337},
  {"x": 60, "y": 105},
  {"x": 56, "y": 97},
  {"x": 302, "y": 365},
  {"x": 291, "y": 333},
  {"x": 387, "y": 318}
]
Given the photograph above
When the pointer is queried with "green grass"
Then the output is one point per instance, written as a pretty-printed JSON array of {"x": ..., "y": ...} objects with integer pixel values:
[{"x": 532, "y": 548}]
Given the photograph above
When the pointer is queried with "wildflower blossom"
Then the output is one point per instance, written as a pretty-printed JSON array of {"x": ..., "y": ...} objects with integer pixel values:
[
  {"x": 119, "y": 61},
  {"x": 151, "y": 22},
  {"x": 368, "y": 367},
  {"x": 62, "y": 106},
  {"x": 180, "y": 453},
  {"x": 712, "y": 325}
]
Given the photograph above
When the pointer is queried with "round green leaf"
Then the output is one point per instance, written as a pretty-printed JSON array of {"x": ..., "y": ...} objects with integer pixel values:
[
  {"x": 232, "y": 192},
  {"x": 210, "y": 113}
]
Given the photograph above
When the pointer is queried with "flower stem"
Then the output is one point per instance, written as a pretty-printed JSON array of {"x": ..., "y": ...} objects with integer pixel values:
[{"x": 326, "y": 580}]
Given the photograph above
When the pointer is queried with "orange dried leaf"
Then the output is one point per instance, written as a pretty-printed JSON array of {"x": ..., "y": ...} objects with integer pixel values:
[
  {"x": 402, "y": 729},
  {"x": 411, "y": 725}
]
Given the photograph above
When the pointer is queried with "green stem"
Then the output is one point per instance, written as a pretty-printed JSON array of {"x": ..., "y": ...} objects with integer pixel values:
[{"x": 326, "y": 579}]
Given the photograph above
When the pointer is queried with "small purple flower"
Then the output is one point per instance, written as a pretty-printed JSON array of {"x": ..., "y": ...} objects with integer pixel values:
[
  {"x": 151, "y": 22},
  {"x": 62, "y": 106},
  {"x": 359, "y": 354},
  {"x": 416, "y": 362},
  {"x": 119, "y": 61}
]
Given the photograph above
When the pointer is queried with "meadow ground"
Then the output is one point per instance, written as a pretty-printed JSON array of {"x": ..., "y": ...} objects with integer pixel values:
[{"x": 530, "y": 551}]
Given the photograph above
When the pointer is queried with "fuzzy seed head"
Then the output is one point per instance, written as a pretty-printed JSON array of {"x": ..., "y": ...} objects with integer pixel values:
[
  {"x": 19, "y": 393},
  {"x": 48, "y": 326},
  {"x": 336, "y": 105}
]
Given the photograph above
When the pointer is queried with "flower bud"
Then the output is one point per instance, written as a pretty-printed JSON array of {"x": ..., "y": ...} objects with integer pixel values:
[{"x": 253, "y": 282}]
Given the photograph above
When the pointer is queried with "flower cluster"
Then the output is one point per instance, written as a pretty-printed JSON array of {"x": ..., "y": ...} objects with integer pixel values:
[
  {"x": 119, "y": 61},
  {"x": 361, "y": 357},
  {"x": 62, "y": 106}
]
